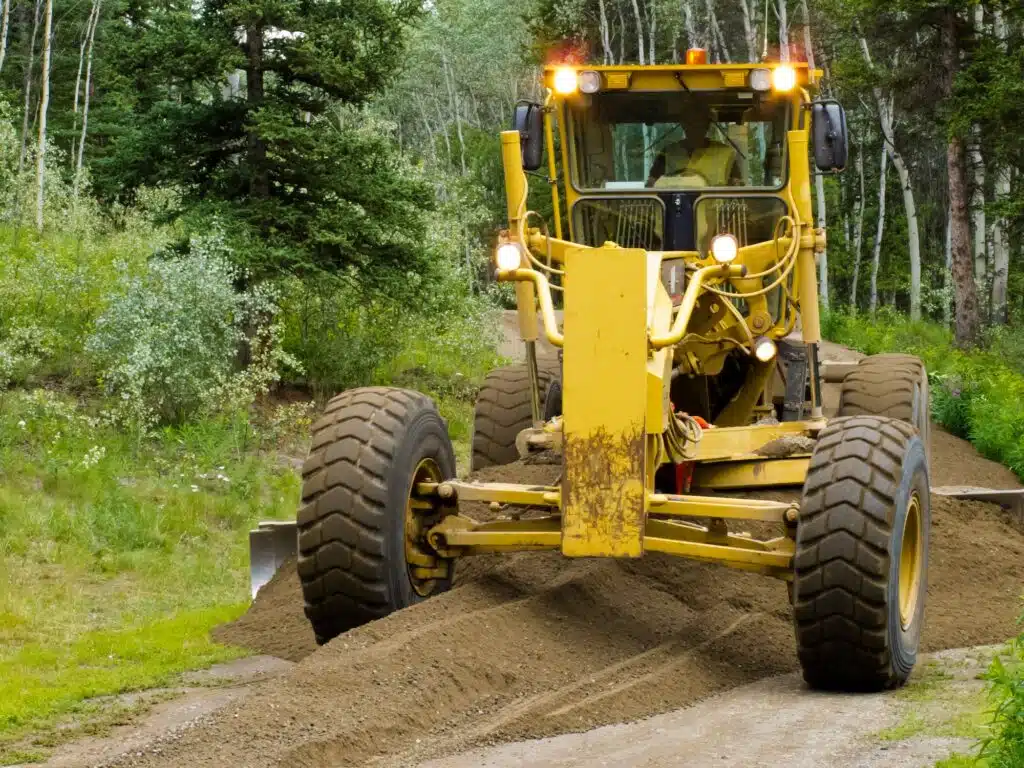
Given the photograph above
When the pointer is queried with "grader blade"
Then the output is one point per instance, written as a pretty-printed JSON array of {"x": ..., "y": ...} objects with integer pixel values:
[{"x": 271, "y": 545}]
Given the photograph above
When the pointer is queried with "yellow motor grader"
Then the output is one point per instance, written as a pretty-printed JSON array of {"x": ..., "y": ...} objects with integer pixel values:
[{"x": 681, "y": 250}]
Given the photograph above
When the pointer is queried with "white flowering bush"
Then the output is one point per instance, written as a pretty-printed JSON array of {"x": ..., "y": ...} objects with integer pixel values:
[
  {"x": 184, "y": 338},
  {"x": 21, "y": 350}
]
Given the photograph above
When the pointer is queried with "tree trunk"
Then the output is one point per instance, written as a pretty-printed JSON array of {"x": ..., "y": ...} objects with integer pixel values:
[
  {"x": 749, "y": 30},
  {"x": 85, "y": 101},
  {"x": 716, "y": 34},
  {"x": 259, "y": 177},
  {"x": 78, "y": 77},
  {"x": 44, "y": 104},
  {"x": 947, "y": 273},
  {"x": 885, "y": 115},
  {"x": 979, "y": 230},
  {"x": 639, "y": 34},
  {"x": 606, "y": 43},
  {"x": 876, "y": 255},
  {"x": 1000, "y": 239},
  {"x": 968, "y": 321},
  {"x": 3, "y": 32},
  {"x": 783, "y": 14},
  {"x": 29, "y": 63},
  {"x": 977, "y": 163},
  {"x": 858, "y": 227},
  {"x": 454, "y": 99}
]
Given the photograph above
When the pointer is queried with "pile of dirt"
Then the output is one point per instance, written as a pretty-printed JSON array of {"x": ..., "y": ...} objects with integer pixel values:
[
  {"x": 532, "y": 644},
  {"x": 275, "y": 624}
]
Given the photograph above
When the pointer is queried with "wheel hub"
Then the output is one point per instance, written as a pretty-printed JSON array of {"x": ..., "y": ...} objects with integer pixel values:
[
  {"x": 911, "y": 562},
  {"x": 424, "y": 565}
]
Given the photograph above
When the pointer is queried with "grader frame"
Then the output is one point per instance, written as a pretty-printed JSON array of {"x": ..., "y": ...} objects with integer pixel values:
[
  {"x": 620, "y": 328},
  {"x": 669, "y": 397}
]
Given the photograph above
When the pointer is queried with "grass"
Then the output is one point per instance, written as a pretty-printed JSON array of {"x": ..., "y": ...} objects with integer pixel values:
[
  {"x": 118, "y": 555},
  {"x": 117, "y": 558}
]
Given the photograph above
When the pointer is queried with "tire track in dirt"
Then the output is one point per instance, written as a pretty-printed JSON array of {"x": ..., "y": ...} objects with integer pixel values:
[{"x": 532, "y": 644}]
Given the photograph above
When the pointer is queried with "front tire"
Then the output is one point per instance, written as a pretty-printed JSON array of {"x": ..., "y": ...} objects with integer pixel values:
[
  {"x": 503, "y": 410},
  {"x": 361, "y": 554},
  {"x": 861, "y": 557}
]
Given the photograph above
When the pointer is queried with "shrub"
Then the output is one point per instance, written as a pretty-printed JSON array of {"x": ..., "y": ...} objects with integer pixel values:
[
  {"x": 1005, "y": 748},
  {"x": 168, "y": 343}
]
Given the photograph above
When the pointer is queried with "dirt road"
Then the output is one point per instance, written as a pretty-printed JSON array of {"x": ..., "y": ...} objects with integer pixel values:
[{"x": 533, "y": 645}]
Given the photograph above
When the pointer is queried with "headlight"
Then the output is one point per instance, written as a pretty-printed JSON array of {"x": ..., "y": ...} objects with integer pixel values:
[
  {"x": 590, "y": 81},
  {"x": 761, "y": 80},
  {"x": 565, "y": 81},
  {"x": 764, "y": 349},
  {"x": 508, "y": 257},
  {"x": 724, "y": 248},
  {"x": 784, "y": 78}
]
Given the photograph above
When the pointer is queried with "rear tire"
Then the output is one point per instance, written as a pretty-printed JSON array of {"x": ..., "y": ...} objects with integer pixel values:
[
  {"x": 893, "y": 385},
  {"x": 861, "y": 558},
  {"x": 503, "y": 410},
  {"x": 368, "y": 449}
]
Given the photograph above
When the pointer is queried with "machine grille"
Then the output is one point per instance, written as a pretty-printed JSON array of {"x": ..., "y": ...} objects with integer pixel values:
[{"x": 630, "y": 222}]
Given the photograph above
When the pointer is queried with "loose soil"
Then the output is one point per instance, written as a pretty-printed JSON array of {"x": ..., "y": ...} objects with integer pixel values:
[
  {"x": 275, "y": 624},
  {"x": 532, "y": 644}
]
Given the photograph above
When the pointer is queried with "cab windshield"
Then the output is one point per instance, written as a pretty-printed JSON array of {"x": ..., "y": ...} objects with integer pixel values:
[{"x": 678, "y": 140}]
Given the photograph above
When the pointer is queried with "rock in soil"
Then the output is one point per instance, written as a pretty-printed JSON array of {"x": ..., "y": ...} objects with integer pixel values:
[{"x": 532, "y": 644}]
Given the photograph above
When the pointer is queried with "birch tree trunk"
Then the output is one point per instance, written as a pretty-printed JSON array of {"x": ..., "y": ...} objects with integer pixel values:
[
  {"x": 90, "y": 27},
  {"x": 1000, "y": 240},
  {"x": 783, "y": 15},
  {"x": 30, "y": 62},
  {"x": 968, "y": 319},
  {"x": 977, "y": 163},
  {"x": 606, "y": 40},
  {"x": 639, "y": 34},
  {"x": 453, "y": 97},
  {"x": 858, "y": 227},
  {"x": 876, "y": 255},
  {"x": 885, "y": 116},
  {"x": 716, "y": 34},
  {"x": 44, "y": 104},
  {"x": 3, "y": 32},
  {"x": 749, "y": 30}
]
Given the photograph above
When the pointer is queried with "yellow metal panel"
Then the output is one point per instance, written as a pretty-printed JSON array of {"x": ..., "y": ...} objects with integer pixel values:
[
  {"x": 735, "y": 79},
  {"x": 617, "y": 80},
  {"x": 659, "y": 364},
  {"x": 751, "y": 474},
  {"x": 722, "y": 443},
  {"x": 604, "y": 385}
]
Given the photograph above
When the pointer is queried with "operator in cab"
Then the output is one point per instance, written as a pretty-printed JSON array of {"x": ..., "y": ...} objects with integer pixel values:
[{"x": 696, "y": 160}]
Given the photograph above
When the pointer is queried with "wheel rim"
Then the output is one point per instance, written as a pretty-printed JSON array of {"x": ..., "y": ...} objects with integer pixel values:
[
  {"x": 425, "y": 568},
  {"x": 911, "y": 560}
]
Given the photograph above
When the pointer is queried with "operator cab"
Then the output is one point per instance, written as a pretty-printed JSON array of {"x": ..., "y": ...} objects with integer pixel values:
[{"x": 641, "y": 161}]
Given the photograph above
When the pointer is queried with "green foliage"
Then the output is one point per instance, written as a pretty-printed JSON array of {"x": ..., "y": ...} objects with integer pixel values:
[
  {"x": 975, "y": 394},
  {"x": 169, "y": 339},
  {"x": 1006, "y": 680},
  {"x": 116, "y": 559}
]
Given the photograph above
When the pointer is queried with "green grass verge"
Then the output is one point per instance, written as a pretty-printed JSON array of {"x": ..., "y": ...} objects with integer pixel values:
[
  {"x": 117, "y": 557},
  {"x": 976, "y": 394}
]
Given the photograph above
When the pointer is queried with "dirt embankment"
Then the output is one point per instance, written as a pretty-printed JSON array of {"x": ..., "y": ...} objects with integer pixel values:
[{"x": 533, "y": 644}]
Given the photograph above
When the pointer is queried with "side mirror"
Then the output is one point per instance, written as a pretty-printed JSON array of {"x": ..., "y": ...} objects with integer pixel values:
[
  {"x": 529, "y": 121},
  {"x": 830, "y": 136}
]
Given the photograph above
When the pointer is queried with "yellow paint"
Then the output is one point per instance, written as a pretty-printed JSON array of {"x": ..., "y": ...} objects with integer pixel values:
[
  {"x": 603, "y": 385},
  {"x": 759, "y": 473}
]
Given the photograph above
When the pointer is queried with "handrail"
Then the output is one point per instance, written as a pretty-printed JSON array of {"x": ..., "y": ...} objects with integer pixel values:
[
  {"x": 693, "y": 289},
  {"x": 547, "y": 309}
]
